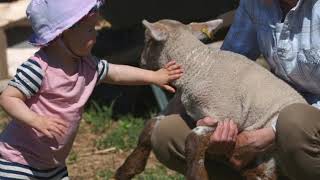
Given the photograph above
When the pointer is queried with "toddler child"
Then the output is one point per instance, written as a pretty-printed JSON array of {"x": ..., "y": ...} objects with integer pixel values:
[{"x": 46, "y": 96}]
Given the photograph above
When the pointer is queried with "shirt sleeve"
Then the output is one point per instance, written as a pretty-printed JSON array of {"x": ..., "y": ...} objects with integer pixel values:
[
  {"x": 242, "y": 35},
  {"x": 28, "y": 78},
  {"x": 102, "y": 70}
]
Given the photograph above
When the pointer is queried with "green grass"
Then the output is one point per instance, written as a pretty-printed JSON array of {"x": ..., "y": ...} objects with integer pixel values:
[
  {"x": 158, "y": 173},
  {"x": 72, "y": 158},
  {"x": 121, "y": 134},
  {"x": 2, "y": 113},
  {"x": 124, "y": 135},
  {"x": 3, "y": 123},
  {"x": 99, "y": 117},
  {"x": 104, "y": 175}
]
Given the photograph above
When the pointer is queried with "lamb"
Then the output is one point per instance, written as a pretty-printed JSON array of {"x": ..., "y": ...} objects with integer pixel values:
[{"x": 215, "y": 83}]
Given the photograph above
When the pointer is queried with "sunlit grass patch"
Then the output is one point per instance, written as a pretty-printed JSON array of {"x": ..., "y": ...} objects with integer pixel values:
[
  {"x": 99, "y": 117},
  {"x": 157, "y": 173},
  {"x": 123, "y": 134}
]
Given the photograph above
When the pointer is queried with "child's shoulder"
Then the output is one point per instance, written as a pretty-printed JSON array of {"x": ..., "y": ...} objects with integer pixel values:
[
  {"x": 39, "y": 58},
  {"x": 95, "y": 63},
  {"x": 29, "y": 76},
  {"x": 99, "y": 65}
]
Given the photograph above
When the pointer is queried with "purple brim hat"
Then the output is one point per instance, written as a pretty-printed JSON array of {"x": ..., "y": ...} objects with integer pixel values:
[{"x": 49, "y": 18}]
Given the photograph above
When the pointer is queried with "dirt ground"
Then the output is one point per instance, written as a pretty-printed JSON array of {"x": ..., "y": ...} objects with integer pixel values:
[{"x": 86, "y": 163}]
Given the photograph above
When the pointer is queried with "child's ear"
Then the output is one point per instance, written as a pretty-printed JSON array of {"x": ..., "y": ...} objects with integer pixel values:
[
  {"x": 205, "y": 30},
  {"x": 157, "y": 31}
]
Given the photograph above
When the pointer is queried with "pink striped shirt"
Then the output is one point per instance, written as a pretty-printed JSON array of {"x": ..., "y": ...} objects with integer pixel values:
[{"x": 60, "y": 95}]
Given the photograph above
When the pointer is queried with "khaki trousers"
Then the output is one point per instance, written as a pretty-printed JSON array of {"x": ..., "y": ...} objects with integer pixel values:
[
  {"x": 297, "y": 138},
  {"x": 168, "y": 142},
  {"x": 298, "y": 141}
]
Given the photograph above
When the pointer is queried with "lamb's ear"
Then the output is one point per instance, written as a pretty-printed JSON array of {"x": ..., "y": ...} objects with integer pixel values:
[
  {"x": 157, "y": 31},
  {"x": 205, "y": 30}
]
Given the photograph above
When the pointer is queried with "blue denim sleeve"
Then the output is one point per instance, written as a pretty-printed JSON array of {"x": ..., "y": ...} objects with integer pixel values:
[{"x": 242, "y": 36}]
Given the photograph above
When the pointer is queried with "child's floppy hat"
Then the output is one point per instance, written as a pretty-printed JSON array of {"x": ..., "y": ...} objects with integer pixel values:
[{"x": 49, "y": 18}]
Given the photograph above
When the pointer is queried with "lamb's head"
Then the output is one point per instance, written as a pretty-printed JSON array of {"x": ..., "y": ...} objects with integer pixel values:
[{"x": 159, "y": 33}]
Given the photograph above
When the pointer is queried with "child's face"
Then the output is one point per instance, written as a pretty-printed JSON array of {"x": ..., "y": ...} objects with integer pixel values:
[{"x": 82, "y": 36}]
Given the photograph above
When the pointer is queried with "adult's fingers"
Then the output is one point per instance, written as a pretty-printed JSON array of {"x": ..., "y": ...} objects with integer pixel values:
[
  {"x": 225, "y": 131},
  {"x": 235, "y": 131},
  {"x": 216, "y": 136},
  {"x": 232, "y": 130}
]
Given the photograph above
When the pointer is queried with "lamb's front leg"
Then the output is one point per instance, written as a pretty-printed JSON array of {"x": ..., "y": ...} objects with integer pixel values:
[
  {"x": 137, "y": 160},
  {"x": 197, "y": 143}
]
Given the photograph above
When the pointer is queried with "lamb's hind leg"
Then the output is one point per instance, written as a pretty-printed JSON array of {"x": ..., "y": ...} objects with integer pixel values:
[
  {"x": 137, "y": 160},
  {"x": 196, "y": 145}
]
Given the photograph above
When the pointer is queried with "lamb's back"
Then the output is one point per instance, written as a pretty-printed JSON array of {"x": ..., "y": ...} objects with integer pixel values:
[{"x": 238, "y": 89}]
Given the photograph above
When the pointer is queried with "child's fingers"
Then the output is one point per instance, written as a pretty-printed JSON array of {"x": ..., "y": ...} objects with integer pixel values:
[
  {"x": 173, "y": 67},
  {"x": 178, "y": 71},
  {"x": 61, "y": 129},
  {"x": 174, "y": 77},
  {"x": 169, "y": 88},
  {"x": 47, "y": 133},
  {"x": 170, "y": 63},
  {"x": 56, "y": 131},
  {"x": 60, "y": 122}
]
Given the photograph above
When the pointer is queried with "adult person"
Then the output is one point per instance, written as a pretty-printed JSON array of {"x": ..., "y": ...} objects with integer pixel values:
[{"x": 287, "y": 34}]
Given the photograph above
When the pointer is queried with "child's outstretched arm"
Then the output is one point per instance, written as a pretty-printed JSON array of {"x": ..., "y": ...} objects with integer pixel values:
[
  {"x": 13, "y": 102},
  {"x": 128, "y": 75}
]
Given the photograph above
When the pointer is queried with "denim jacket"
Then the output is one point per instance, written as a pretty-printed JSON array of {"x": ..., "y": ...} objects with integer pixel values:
[{"x": 290, "y": 44}]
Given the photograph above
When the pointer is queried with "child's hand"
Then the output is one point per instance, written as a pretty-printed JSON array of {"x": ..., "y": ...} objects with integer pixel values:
[
  {"x": 170, "y": 72},
  {"x": 49, "y": 126}
]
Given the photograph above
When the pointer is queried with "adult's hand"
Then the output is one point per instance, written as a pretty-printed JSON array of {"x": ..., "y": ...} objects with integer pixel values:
[
  {"x": 249, "y": 144},
  {"x": 223, "y": 139}
]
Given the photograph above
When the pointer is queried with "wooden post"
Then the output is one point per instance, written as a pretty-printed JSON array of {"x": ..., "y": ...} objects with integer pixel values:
[{"x": 3, "y": 55}]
